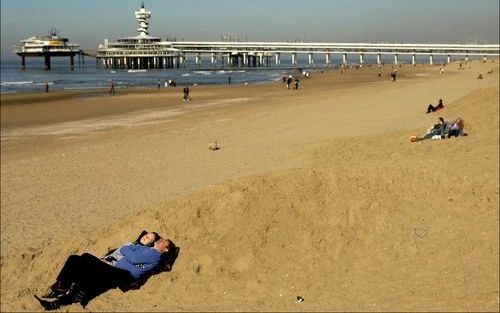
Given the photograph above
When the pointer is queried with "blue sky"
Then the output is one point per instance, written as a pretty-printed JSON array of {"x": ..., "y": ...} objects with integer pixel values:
[{"x": 89, "y": 22}]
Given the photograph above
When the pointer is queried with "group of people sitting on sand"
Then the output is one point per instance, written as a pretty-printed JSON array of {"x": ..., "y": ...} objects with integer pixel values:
[
  {"x": 83, "y": 277},
  {"x": 442, "y": 129},
  {"x": 445, "y": 129}
]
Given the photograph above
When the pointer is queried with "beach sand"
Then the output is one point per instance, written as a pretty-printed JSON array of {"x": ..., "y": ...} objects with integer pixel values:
[{"x": 317, "y": 193}]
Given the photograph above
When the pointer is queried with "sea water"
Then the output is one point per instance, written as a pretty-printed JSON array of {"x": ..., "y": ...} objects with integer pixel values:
[{"x": 89, "y": 76}]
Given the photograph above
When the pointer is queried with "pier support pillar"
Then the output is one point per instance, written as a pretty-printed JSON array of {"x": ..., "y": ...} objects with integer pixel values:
[
  {"x": 431, "y": 59},
  {"x": 361, "y": 59},
  {"x": 278, "y": 59},
  {"x": 413, "y": 60},
  {"x": 198, "y": 59},
  {"x": 294, "y": 58},
  {"x": 344, "y": 58},
  {"x": 396, "y": 59},
  {"x": 47, "y": 63},
  {"x": 72, "y": 62},
  {"x": 448, "y": 59},
  {"x": 379, "y": 59},
  {"x": 23, "y": 63},
  {"x": 245, "y": 59},
  {"x": 328, "y": 59},
  {"x": 311, "y": 58},
  {"x": 261, "y": 60},
  {"x": 213, "y": 59}
]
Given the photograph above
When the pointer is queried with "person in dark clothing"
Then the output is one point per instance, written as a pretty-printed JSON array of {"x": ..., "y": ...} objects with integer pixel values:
[
  {"x": 186, "y": 93},
  {"x": 111, "y": 87},
  {"x": 288, "y": 82},
  {"x": 296, "y": 84},
  {"x": 438, "y": 107},
  {"x": 85, "y": 276}
]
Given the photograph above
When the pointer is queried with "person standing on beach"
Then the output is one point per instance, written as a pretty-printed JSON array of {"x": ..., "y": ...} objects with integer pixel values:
[
  {"x": 46, "y": 87},
  {"x": 296, "y": 84},
  {"x": 186, "y": 93},
  {"x": 289, "y": 82},
  {"x": 393, "y": 75},
  {"x": 111, "y": 87},
  {"x": 229, "y": 80},
  {"x": 159, "y": 83}
]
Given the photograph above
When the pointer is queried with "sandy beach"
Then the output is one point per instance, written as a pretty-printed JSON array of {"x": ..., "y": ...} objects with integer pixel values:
[{"x": 316, "y": 192}]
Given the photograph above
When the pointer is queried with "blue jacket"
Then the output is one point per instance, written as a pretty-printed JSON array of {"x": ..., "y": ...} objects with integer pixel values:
[{"x": 138, "y": 260}]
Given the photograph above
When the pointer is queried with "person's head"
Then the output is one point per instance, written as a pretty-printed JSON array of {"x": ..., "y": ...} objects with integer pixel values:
[
  {"x": 162, "y": 245},
  {"x": 149, "y": 238},
  {"x": 441, "y": 120},
  {"x": 440, "y": 101}
]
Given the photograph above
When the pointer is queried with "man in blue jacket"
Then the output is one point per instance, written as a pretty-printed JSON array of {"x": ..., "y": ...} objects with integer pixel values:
[{"x": 86, "y": 276}]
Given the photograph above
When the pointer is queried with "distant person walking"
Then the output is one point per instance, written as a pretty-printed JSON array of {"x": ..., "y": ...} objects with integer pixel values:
[
  {"x": 296, "y": 84},
  {"x": 394, "y": 75},
  {"x": 186, "y": 93},
  {"x": 111, "y": 87},
  {"x": 229, "y": 80},
  {"x": 159, "y": 83},
  {"x": 46, "y": 87},
  {"x": 288, "y": 82},
  {"x": 283, "y": 79}
]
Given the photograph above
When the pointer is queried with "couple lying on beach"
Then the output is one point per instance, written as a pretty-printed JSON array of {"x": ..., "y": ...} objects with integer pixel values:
[
  {"x": 443, "y": 129},
  {"x": 83, "y": 277}
]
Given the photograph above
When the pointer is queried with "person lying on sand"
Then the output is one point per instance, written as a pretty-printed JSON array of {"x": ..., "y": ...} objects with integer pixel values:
[
  {"x": 145, "y": 239},
  {"x": 443, "y": 129},
  {"x": 457, "y": 128},
  {"x": 438, "y": 107},
  {"x": 84, "y": 277}
]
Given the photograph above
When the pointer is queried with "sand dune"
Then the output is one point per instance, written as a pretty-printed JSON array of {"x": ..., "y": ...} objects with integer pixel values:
[{"x": 315, "y": 193}]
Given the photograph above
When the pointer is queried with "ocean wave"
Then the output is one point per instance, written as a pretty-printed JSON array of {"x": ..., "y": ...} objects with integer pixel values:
[
  {"x": 17, "y": 83},
  {"x": 203, "y": 72}
]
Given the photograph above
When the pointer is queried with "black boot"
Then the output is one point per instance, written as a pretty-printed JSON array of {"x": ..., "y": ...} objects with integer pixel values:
[
  {"x": 62, "y": 298},
  {"x": 58, "y": 289},
  {"x": 82, "y": 297},
  {"x": 48, "y": 305}
]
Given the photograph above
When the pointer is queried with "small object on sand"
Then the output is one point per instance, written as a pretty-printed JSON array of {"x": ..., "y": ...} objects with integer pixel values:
[
  {"x": 413, "y": 138},
  {"x": 420, "y": 232},
  {"x": 480, "y": 76},
  {"x": 300, "y": 299},
  {"x": 213, "y": 146}
]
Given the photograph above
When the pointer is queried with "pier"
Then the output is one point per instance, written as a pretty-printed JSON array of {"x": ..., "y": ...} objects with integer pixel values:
[
  {"x": 48, "y": 47},
  {"x": 146, "y": 52}
]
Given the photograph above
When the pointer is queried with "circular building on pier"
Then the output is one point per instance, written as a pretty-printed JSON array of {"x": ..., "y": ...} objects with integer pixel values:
[{"x": 138, "y": 52}]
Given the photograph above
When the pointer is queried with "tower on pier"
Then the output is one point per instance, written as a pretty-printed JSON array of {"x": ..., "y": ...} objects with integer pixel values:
[{"x": 142, "y": 17}]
